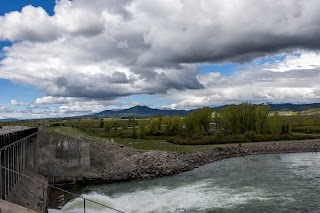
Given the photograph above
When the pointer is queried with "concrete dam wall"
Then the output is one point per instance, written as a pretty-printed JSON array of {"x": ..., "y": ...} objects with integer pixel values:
[{"x": 63, "y": 157}]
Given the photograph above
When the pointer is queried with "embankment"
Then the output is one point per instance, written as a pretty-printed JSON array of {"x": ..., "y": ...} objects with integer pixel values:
[{"x": 111, "y": 162}]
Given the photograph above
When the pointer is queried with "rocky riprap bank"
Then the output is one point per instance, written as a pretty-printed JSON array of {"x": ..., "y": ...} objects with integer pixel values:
[{"x": 111, "y": 162}]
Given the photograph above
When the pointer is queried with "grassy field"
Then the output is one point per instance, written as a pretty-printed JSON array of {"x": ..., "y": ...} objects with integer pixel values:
[
  {"x": 139, "y": 144},
  {"x": 70, "y": 132},
  {"x": 153, "y": 144},
  {"x": 125, "y": 131}
]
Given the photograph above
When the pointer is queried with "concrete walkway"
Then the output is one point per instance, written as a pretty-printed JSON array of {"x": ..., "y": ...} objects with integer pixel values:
[
  {"x": 7, "y": 207},
  {"x": 11, "y": 129}
]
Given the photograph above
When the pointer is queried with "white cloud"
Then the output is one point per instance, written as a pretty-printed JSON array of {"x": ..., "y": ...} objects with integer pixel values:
[
  {"x": 256, "y": 84},
  {"x": 14, "y": 102},
  {"x": 104, "y": 50},
  {"x": 49, "y": 107},
  {"x": 55, "y": 100},
  {"x": 31, "y": 24},
  {"x": 305, "y": 61}
]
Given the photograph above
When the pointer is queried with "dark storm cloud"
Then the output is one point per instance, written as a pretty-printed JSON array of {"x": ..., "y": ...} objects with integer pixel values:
[{"x": 118, "y": 78}]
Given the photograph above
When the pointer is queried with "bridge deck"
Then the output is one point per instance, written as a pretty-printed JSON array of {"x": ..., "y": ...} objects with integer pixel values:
[
  {"x": 7, "y": 207},
  {"x": 11, "y": 129}
]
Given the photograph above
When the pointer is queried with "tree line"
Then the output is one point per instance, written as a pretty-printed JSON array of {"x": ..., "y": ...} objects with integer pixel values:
[
  {"x": 233, "y": 119},
  {"x": 246, "y": 117}
]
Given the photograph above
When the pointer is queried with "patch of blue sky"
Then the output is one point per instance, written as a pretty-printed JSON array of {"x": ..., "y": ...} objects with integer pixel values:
[
  {"x": 145, "y": 100},
  {"x": 269, "y": 59},
  {"x": 20, "y": 92},
  {"x": 274, "y": 59},
  {"x": 7, "y": 6},
  {"x": 2, "y": 45},
  {"x": 228, "y": 69}
]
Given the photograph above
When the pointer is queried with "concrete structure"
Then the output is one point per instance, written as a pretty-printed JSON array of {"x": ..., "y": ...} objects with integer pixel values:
[
  {"x": 7, "y": 207},
  {"x": 63, "y": 157},
  {"x": 18, "y": 150}
]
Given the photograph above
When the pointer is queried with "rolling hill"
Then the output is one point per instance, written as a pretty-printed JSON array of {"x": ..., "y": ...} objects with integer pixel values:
[
  {"x": 144, "y": 111},
  {"x": 139, "y": 111}
]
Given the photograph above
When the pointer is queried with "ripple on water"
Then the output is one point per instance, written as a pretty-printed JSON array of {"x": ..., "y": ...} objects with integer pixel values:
[{"x": 265, "y": 183}]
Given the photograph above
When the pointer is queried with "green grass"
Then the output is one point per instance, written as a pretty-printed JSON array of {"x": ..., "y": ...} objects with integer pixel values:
[
  {"x": 70, "y": 132},
  {"x": 140, "y": 144},
  {"x": 306, "y": 129},
  {"x": 156, "y": 144}
]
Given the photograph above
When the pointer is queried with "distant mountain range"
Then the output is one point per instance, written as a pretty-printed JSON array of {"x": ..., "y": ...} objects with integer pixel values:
[
  {"x": 294, "y": 107},
  {"x": 8, "y": 119},
  {"x": 139, "y": 111},
  {"x": 144, "y": 111}
]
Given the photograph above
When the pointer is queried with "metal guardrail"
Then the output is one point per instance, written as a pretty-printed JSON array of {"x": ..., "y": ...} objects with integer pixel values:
[
  {"x": 11, "y": 137},
  {"x": 62, "y": 190},
  {"x": 13, "y": 155}
]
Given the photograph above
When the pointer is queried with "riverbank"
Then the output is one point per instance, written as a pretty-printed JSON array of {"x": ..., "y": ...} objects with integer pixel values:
[{"x": 112, "y": 162}]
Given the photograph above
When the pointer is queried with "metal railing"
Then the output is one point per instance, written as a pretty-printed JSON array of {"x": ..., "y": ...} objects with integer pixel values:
[
  {"x": 11, "y": 137},
  {"x": 44, "y": 206},
  {"x": 12, "y": 156}
]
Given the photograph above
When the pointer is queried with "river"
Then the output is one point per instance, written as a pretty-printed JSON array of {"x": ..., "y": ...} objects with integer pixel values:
[{"x": 256, "y": 183}]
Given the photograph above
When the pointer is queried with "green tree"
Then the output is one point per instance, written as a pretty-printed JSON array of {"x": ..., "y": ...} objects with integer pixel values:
[
  {"x": 142, "y": 129},
  {"x": 262, "y": 113},
  {"x": 243, "y": 118},
  {"x": 134, "y": 132},
  {"x": 101, "y": 123},
  {"x": 160, "y": 117},
  {"x": 124, "y": 126},
  {"x": 308, "y": 122},
  {"x": 168, "y": 122},
  {"x": 198, "y": 121},
  {"x": 275, "y": 123},
  {"x": 191, "y": 122},
  {"x": 205, "y": 118},
  {"x": 115, "y": 127},
  {"x": 176, "y": 125},
  {"x": 153, "y": 127},
  {"x": 106, "y": 127},
  {"x": 229, "y": 119}
]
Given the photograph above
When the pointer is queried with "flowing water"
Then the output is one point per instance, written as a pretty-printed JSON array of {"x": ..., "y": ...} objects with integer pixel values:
[{"x": 261, "y": 183}]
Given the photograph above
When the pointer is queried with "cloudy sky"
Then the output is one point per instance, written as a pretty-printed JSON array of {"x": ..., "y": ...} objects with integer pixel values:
[{"x": 63, "y": 58}]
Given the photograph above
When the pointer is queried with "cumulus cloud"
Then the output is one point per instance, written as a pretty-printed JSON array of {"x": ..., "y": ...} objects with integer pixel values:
[
  {"x": 31, "y": 24},
  {"x": 115, "y": 48},
  {"x": 16, "y": 103},
  {"x": 260, "y": 83},
  {"x": 50, "y": 107}
]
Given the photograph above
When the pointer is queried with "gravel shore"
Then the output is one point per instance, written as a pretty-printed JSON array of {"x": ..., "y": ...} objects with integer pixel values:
[{"x": 111, "y": 162}]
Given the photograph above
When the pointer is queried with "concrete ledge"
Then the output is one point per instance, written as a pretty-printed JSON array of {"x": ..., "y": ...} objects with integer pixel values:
[{"x": 7, "y": 207}]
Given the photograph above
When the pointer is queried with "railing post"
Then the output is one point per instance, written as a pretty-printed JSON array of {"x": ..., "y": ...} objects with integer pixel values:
[
  {"x": 43, "y": 201},
  {"x": 5, "y": 174},
  {"x": 1, "y": 178},
  {"x": 84, "y": 205},
  {"x": 9, "y": 173}
]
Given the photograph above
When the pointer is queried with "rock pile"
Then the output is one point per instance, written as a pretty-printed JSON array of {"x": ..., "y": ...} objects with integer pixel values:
[{"x": 111, "y": 162}]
